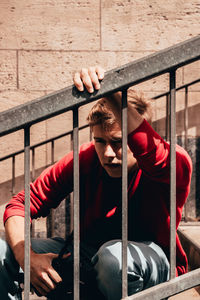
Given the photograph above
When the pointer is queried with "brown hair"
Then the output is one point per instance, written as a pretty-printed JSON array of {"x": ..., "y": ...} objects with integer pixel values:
[{"x": 100, "y": 113}]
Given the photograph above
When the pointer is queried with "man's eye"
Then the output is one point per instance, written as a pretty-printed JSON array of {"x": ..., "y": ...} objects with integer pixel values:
[
  {"x": 99, "y": 141},
  {"x": 117, "y": 143}
]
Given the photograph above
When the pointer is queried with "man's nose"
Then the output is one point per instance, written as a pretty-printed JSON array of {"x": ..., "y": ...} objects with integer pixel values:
[{"x": 109, "y": 152}]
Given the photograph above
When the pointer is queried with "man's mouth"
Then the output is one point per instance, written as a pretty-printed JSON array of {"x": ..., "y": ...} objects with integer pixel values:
[{"x": 112, "y": 166}]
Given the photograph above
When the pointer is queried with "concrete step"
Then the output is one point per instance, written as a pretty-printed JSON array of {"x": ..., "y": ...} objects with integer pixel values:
[
  {"x": 189, "y": 234},
  {"x": 188, "y": 295}
]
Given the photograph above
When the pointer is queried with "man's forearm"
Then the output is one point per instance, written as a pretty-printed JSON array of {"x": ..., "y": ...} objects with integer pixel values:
[
  {"x": 134, "y": 118},
  {"x": 14, "y": 228},
  {"x": 90, "y": 78}
]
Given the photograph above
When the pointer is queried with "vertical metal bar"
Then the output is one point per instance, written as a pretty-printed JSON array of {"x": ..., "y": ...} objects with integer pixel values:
[
  {"x": 76, "y": 204},
  {"x": 172, "y": 174},
  {"x": 52, "y": 212},
  {"x": 186, "y": 118},
  {"x": 33, "y": 164},
  {"x": 27, "y": 213},
  {"x": 32, "y": 178},
  {"x": 52, "y": 152},
  {"x": 13, "y": 175},
  {"x": 51, "y": 216},
  {"x": 71, "y": 195},
  {"x": 186, "y": 140},
  {"x": 90, "y": 134},
  {"x": 124, "y": 194},
  {"x": 167, "y": 118},
  {"x": 51, "y": 224},
  {"x": 71, "y": 141}
]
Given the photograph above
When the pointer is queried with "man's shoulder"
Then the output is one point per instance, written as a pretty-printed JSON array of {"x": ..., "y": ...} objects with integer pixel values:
[
  {"x": 88, "y": 160},
  {"x": 183, "y": 158},
  {"x": 87, "y": 149},
  {"x": 88, "y": 156}
]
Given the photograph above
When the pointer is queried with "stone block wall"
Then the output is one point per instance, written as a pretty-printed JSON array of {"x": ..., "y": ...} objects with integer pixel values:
[{"x": 43, "y": 42}]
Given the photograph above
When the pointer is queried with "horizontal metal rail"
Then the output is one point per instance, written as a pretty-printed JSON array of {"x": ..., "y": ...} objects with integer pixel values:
[
  {"x": 177, "y": 89},
  {"x": 115, "y": 80},
  {"x": 170, "y": 288},
  {"x": 42, "y": 143}
]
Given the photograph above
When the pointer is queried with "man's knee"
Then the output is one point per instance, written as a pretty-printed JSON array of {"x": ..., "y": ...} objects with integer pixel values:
[
  {"x": 147, "y": 266},
  {"x": 108, "y": 265},
  {"x": 108, "y": 269},
  {"x": 105, "y": 262}
]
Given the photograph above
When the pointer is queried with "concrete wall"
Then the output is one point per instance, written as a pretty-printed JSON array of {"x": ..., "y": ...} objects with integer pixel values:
[{"x": 43, "y": 42}]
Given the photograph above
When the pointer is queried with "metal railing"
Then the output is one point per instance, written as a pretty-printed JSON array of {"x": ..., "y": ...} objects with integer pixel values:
[
  {"x": 119, "y": 79},
  {"x": 52, "y": 140}
]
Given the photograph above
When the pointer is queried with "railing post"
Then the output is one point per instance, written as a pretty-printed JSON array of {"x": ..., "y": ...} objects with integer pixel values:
[
  {"x": 13, "y": 175},
  {"x": 33, "y": 163},
  {"x": 27, "y": 213},
  {"x": 172, "y": 174},
  {"x": 52, "y": 152},
  {"x": 186, "y": 140},
  {"x": 90, "y": 137},
  {"x": 186, "y": 118},
  {"x": 76, "y": 204},
  {"x": 51, "y": 216},
  {"x": 167, "y": 118},
  {"x": 124, "y": 194},
  {"x": 71, "y": 195},
  {"x": 32, "y": 179}
]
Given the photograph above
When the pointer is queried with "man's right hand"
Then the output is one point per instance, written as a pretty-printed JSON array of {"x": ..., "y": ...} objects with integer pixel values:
[{"x": 43, "y": 276}]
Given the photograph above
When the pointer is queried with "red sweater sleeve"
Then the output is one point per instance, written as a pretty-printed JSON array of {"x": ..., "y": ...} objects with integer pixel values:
[
  {"x": 51, "y": 187},
  {"x": 153, "y": 156},
  {"x": 46, "y": 192}
]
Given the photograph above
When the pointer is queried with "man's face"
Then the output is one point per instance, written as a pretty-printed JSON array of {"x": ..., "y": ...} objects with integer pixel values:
[{"x": 108, "y": 145}]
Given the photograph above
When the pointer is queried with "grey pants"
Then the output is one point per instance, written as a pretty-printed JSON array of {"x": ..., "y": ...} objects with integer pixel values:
[{"x": 147, "y": 266}]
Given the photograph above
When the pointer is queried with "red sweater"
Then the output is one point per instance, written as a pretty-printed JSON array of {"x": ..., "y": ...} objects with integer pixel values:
[{"x": 100, "y": 195}]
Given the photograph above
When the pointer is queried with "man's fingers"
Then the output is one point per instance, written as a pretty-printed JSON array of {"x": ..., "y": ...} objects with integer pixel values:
[
  {"x": 39, "y": 291},
  {"x": 54, "y": 276},
  {"x": 78, "y": 82},
  {"x": 49, "y": 282},
  {"x": 53, "y": 273},
  {"x": 89, "y": 78},
  {"x": 87, "y": 81},
  {"x": 41, "y": 288},
  {"x": 46, "y": 283},
  {"x": 94, "y": 78},
  {"x": 66, "y": 255},
  {"x": 100, "y": 72}
]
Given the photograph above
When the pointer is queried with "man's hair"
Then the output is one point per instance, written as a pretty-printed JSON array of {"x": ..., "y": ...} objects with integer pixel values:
[{"x": 101, "y": 115}]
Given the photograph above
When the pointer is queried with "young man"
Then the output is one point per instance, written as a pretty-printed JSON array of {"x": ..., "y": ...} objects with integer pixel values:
[{"x": 100, "y": 202}]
